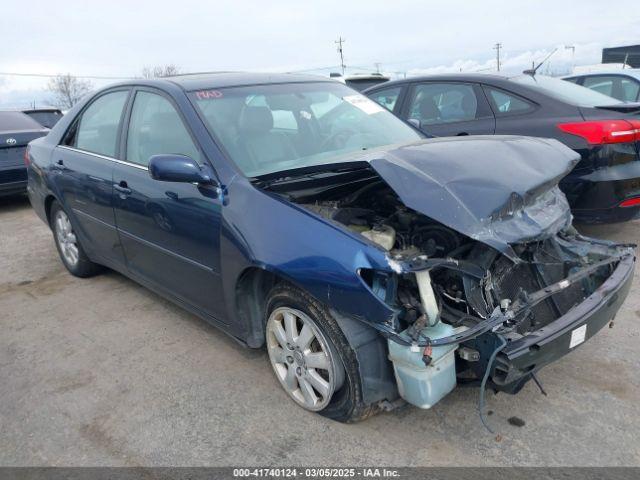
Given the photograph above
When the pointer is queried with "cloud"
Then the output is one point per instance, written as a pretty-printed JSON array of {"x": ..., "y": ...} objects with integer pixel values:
[
  {"x": 119, "y": 37},
  {"x": 561, "y": 62},
  {"x": 25, "y": 98}
]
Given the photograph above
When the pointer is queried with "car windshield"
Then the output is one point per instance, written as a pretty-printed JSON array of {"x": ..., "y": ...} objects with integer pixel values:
[
  {"x": 271, "y": 128},
  {"x": 566, "y": 92}
]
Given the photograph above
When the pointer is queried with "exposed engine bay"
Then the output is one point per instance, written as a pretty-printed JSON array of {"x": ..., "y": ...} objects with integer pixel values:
[
  {"x": 376, "y": 213},
  {"x": 443, "y": 278}
]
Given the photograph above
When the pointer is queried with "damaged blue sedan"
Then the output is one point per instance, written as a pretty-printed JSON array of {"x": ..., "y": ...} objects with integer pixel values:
[{"x": 295, "y": 214}]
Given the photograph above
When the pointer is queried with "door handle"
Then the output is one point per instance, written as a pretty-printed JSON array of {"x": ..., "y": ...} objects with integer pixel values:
[
  {"x": 122, "y": 188},
  {"x": 59, "y": 165}
]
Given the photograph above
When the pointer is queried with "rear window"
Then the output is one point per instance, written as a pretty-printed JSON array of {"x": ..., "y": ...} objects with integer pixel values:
[
  {"x": 16, "y": 121},
  {"x": 566, "y": 92},
  {"x": 363, "y": 84},
  {"x": 47, "y": 119}
]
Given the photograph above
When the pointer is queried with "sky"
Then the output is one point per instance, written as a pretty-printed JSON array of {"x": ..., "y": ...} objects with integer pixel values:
[{"x": 118, "y": 38}]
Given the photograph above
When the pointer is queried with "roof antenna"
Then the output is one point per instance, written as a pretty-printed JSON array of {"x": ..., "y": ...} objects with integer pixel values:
[{"x": 532, "y": 71}]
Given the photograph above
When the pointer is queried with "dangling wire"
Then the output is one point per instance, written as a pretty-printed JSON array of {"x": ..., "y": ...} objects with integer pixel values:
[{"x": 483, "y": 385}]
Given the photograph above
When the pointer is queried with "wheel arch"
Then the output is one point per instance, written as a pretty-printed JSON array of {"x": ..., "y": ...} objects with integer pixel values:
[
  {"x": 48, "y": 202},
  {"x": 251, "y": 292}
]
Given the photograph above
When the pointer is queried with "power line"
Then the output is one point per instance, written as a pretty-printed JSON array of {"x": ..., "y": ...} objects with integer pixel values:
[
  {"x": 351, "y": 67},
  {"x": 48, "y": 75}
]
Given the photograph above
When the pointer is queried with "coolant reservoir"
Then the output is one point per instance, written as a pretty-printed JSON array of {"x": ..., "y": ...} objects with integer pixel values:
[
  {"x": 383, "y": 235},
  {"x": 419, "y": 384}
]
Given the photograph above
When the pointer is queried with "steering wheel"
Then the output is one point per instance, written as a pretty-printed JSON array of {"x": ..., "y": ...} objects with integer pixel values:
[{"x": 338, "y": 139}]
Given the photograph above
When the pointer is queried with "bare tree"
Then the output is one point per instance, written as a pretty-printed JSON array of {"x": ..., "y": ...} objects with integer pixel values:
[
  {"x": 160, "y": 71},
  {"x": 68, "y": 90}
]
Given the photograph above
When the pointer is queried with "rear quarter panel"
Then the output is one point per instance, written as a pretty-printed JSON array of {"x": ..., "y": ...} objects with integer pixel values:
[{"x": 39, "y": 163}]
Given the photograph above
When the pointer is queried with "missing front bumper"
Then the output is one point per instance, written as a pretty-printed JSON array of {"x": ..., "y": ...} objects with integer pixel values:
[{"x": 520, "y": 358}]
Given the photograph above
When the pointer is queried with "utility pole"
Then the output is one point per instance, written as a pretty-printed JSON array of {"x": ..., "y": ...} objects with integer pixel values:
[
  {"x": 497, "y": 48},
  {"x": 573, "y": 55},
  {"x": 339, "y": 42}
]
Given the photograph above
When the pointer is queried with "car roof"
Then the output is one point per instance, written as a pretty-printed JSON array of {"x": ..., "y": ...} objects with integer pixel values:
[
  {"x": 198, "y": 81},
  {"x": 30, "y": 110},
  {"x": 449, "y": 77},
  {"x": 43, "y": 109},
  {"x": 464, "y": 77},
  {"x": 365, "y": 76}
]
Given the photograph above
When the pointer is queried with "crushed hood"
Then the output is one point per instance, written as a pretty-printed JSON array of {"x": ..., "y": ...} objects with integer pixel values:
[{"x": 499, "y": 190}]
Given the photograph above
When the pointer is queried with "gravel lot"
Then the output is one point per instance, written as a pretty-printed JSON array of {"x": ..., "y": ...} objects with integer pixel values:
[{"x": 104, "y": 372}]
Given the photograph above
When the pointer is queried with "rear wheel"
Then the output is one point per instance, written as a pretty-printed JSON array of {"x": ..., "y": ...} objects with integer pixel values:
[
  {"x": 311, "y": 358},
  {"x": 71, "y": 252}
]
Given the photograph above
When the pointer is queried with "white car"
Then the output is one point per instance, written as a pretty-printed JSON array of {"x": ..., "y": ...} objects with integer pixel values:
[{"x": 623, "y": 84}]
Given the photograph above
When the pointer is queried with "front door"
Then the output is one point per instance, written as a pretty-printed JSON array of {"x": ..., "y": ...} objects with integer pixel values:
[
  {"x": 82, "y": 169},
  {"x": 170, "y": 231},
  {"x": 449, "y": 109}
]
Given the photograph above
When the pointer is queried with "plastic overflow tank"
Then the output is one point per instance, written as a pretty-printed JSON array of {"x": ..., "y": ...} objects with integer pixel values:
[{"x": 419, "y": 384}]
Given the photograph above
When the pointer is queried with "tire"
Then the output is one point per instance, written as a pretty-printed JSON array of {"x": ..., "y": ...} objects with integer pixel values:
[
  {"x": 69, "y": 248},
  {"x": 342, "y": 374}
]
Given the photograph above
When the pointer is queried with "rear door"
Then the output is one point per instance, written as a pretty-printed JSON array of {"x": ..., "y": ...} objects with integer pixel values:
[
  {"x": 170, "y": 231},
  {"x": 449, "y": 109},
  {"x": 513, "y": 114},
  {"x": 16, "y": 130},
  {"x": 82, "y": 173}
]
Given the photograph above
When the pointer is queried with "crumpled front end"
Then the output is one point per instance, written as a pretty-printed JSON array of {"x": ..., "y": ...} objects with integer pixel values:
[
  {"x": 497, "y": 190},
  {"x": 485, "y": 278}
]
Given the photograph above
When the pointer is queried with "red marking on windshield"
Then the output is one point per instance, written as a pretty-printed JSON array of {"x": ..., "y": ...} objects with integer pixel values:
[{"x": 207, "y": 94}]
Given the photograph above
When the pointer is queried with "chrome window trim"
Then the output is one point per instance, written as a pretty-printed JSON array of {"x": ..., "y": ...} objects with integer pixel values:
[{"x": 115, "y": 160}]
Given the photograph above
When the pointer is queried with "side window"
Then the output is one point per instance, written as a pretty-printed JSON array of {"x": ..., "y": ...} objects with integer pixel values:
[
  {"x": 156, "y": 128},
  {"x": 435, "y": 103},
  {"x": 504, "y": 102},
  {"x": 630, "y": 89},
  {"x": 601, "y": 84},
  {"x": 387, "y": 97},
  {"x": 96, "y": 130}
]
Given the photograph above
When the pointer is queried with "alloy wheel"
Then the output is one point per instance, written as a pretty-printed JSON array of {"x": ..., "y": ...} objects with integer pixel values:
[
  {"x": 66, "y": 238},
  {"x": 302, "y": 359}
]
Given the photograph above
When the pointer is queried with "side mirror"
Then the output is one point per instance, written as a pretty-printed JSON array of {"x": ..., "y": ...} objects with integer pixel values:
[
  {"x": 415, "y": 122},
  {"x": 179, "y": 168}
]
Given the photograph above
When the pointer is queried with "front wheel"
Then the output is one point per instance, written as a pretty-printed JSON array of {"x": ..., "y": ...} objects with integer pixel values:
[{"x": 311, "y": 358}]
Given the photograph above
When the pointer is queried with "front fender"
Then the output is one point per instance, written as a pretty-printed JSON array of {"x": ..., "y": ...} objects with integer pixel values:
[{"x": 266, "y": 231}]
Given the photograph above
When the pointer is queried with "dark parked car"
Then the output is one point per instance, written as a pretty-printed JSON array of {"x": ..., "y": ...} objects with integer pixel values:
[
  {"x": 292, "y": 212},
  {"x": 16, "y": 130},
  {"x": 604, "y": 186},
  {"x": 45, "y": 116},
  {"x": 621, "y": 84},
  {"x": 362, "y": 81}
]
